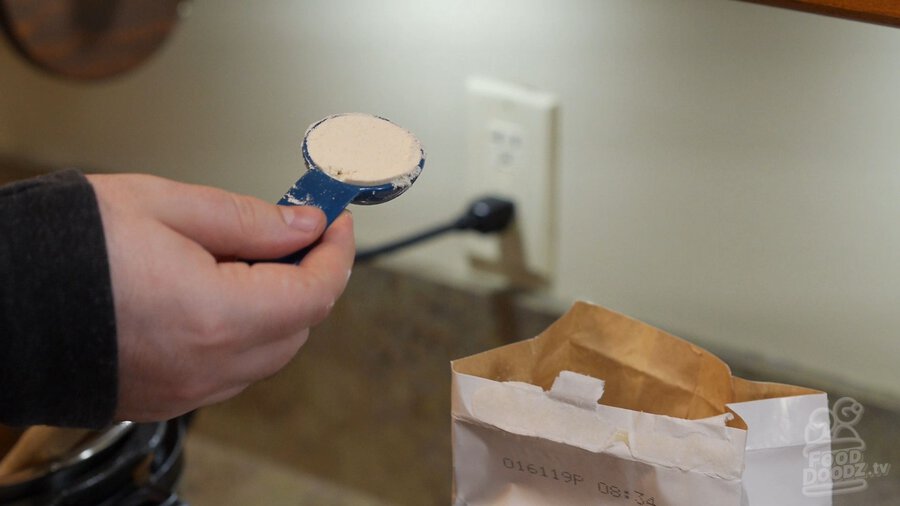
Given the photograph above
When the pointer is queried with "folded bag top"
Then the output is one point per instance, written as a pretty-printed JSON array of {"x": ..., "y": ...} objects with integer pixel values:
[{"x": 644, "y": 368}]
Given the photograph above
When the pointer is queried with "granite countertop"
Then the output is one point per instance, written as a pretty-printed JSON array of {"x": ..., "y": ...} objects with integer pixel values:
[{"x": 219, "y": 475}]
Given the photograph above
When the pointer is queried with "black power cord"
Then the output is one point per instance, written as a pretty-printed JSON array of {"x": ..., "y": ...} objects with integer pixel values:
[{"x": 487, "y": 215}]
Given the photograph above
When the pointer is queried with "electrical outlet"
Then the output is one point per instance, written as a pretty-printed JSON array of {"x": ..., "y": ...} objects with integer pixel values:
[
  {"x": 512, "y": 153},
  {"x": 505, "y": 149}
]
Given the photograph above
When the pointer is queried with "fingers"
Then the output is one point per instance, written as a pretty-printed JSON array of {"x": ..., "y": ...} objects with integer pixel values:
[
  {"x": 276, "y": 299},
  {"x": 267, "y": 359},
  {"x": 332, "y": 257},
  {"x": 228, "y": 224},
  {"x": 223, "y": 395}
]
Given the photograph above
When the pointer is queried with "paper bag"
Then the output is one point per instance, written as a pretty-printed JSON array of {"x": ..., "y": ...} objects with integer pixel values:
[{"x": 672, "y": 426}]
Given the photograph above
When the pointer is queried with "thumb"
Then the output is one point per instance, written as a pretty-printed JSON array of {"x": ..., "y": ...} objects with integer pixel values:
[{"x": 229, "y": 224}]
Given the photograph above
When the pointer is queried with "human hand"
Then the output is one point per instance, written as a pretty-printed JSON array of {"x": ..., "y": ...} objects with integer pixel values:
[{"x": 194, "y": 326}]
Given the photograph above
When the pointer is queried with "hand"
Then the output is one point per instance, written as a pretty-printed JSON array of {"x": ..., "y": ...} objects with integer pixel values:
[{"x": 194, "y": 326}]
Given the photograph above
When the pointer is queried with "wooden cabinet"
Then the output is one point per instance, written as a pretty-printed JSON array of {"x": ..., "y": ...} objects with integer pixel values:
[
  {"x": 885, "y": 12},
  {"x": 87, "y": 39}
]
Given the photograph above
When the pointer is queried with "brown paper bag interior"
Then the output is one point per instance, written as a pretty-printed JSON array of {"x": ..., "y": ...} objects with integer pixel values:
[{"x": 645, "y": 369}]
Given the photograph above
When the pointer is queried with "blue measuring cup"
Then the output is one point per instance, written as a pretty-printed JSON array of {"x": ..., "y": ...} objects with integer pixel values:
[{"x": 323, "y": 187}]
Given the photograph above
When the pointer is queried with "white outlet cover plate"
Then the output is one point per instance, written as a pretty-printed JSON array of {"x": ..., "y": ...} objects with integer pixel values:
[{"x": 511, "y": 143}]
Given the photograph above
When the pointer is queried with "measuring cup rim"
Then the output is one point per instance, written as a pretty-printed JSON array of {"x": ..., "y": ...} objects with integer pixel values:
[{"x": 403, "y": 181}]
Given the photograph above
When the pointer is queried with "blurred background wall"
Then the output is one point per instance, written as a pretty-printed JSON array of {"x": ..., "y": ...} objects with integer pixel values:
[{"x": 727, "y": 171}]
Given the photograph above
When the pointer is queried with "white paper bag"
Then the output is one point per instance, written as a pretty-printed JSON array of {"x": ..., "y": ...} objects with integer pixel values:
[{"x": 528, "y": 428}]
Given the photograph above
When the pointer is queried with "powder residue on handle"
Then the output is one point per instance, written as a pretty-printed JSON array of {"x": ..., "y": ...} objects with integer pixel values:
[{"x": 363, "y": 150}]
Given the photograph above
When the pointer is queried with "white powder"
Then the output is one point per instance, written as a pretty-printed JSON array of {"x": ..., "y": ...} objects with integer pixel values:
[{"x": 364, "y": 150}]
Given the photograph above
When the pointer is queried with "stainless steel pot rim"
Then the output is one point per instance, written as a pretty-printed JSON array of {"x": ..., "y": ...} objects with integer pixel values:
[
  {"x": 103, "y": 440},
  {"x": 95, "y": 445}
]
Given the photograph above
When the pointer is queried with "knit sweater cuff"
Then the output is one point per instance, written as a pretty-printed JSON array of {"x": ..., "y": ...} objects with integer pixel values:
[{"x": 58, "y": 354}]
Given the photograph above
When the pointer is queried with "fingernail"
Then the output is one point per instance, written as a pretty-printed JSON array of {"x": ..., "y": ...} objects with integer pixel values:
[{"x": 297, "y": 219}]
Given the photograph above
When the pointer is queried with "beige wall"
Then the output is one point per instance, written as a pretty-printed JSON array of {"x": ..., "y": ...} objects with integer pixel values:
[{"x": 728, "y": 171}]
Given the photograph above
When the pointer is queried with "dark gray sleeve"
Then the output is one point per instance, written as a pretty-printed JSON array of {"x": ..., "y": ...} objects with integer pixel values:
[{"x": 58, "y": 353}]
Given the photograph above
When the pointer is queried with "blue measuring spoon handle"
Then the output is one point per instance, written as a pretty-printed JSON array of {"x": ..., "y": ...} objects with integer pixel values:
[{"x": 317, "y": 189}]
